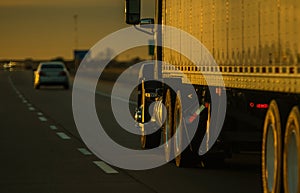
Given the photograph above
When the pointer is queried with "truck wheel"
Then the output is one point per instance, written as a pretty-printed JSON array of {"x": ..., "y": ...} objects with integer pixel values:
[
  {"x": 271, "y": 150},
  {"x": 150, "y": 141},
  {"x": 291, "y": 153},
  {"x": 167, "y": 127},
  {"x": 183, "y": 157}
]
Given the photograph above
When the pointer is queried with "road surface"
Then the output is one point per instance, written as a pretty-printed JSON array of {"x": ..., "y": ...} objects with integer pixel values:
[{"x": 41, "y": 150}]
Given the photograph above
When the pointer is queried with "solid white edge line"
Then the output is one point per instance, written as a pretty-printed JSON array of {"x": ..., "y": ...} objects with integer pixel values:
[
  {"x": 105, "y": 167},
  {"x": 115, "y": 97}
]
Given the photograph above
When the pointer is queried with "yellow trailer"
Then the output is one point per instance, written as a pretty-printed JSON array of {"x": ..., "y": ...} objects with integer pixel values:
[{"x": 255, "y": 45}]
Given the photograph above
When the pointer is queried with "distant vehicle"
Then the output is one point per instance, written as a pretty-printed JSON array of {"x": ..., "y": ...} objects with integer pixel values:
[
  {"x": 9, "y": 65},
  {"x": 51, "y": 73}
]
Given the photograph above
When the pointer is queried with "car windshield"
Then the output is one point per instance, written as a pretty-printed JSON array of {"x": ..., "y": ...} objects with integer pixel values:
[{"x": 52, "y": 66}]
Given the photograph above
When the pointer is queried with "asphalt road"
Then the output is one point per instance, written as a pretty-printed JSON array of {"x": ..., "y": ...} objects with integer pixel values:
[{"x": 41, "y": 150}]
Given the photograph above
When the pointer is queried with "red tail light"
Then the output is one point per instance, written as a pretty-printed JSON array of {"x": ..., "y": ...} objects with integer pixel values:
[
  {"x": 262, "y": 106},
  {"x": 259, "y": 105}
]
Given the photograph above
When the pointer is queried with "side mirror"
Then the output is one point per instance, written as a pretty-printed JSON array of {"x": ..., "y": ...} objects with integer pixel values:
[{"x": 133, "y": 11}]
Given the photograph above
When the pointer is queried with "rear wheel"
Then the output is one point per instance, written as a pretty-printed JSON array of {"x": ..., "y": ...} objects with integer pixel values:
[
  {"x": 183, "y": 157},
  {"x": 151, "y": 140},
  {"x": 167, "y": 127},
  {"x": 271, "y": 150},
  {"x": 291, "y": 153}
]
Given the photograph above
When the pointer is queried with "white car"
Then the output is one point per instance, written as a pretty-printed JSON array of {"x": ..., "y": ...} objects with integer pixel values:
[{"x": 51, "y": 73}]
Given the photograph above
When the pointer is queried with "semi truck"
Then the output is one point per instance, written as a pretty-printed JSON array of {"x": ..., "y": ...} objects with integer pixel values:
[{"x": 256, "y": 46}]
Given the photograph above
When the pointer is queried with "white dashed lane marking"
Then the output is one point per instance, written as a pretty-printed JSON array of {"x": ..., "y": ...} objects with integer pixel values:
[
  {"x": 102, "y": 165},
  {"x": 43, "y": 119},
  {"x": 84, "y": 151},
  {"x": 53, "y": 127},
  {"x": 106, "y": 168},
  {"x": 31, "y": 109},
  {"x": 62, "y": 135}
]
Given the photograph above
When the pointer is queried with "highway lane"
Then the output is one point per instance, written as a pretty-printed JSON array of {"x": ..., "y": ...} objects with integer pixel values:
[
  {"x": 38, "y": 155},
  {"x": 241, "y": 174}
]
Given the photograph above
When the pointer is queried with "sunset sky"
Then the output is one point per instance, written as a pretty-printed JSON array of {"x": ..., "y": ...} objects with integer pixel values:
[{"x": 44, "y": 29}]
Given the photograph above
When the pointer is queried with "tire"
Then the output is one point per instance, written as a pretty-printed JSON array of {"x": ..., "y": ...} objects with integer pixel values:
[
  {"x": 168, "y": 125},
  {"x": 144, "y": 142},
  {"x": 271, "y": 150},
  {"x": 183, "y": 157},
  {"x": 291, "y": 153},
  {"x": 210, "y": 159},
  {"x": 152, "y": 140}
]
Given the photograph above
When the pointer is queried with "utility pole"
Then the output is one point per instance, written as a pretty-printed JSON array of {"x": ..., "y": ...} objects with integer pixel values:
[{"x": 158, "y": 18}]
